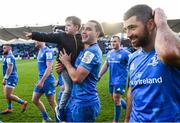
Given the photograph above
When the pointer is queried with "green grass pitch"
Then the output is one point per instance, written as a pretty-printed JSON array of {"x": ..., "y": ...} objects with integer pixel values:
[{"x": 27, "y": 72}]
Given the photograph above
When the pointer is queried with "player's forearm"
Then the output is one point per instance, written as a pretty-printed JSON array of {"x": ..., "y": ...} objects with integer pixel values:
[
  {"x": 129, "y": 105},
  {"x": 46, "y": 74},
  {"x": 8, "y": 71},
  {"x": 71, "y": 71},
  {"x": 44, "y": 37},
  {"x": 103, "y": 70},
  {"x": 167, "y": 45}
]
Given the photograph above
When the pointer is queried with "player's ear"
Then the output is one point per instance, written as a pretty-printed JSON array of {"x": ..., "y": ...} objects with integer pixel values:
[{"x": 151, "y": 24}]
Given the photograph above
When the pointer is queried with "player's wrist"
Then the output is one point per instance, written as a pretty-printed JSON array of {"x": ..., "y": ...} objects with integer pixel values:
[{"x": 6, "y": 77}]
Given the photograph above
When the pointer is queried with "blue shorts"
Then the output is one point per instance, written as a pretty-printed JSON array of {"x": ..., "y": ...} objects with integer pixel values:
[
  {"x": 66, "y": 113},
  {"x": 80, "y": 113},
  {"x": 85, "y": 113},
  {"x": 11, "y": 83},
  {"x": 120, "y": 89},
  {"x": 49, "y": 89}
]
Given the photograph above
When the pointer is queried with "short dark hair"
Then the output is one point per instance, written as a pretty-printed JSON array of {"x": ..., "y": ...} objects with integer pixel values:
[
  {"x": 7, "y": 44},
  {"x": 115, "y": 36},
  {"x": 75, "y": 20},
  {"x": 142, "y": 12},
  {"x": 98, "y": 27}
]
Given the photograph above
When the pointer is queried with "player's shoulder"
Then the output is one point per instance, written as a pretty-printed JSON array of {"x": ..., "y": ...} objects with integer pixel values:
[
  {"x": 47, "y": 49},
  {"x": 10, "y": 58},
  {"x": 125, "y": 51},
  {"x": 93, "y": 51},
  {"x": 136, "y": 54},
  {"x": 10, "y": 55},
  {"x": 111, "y": 51},
  {"x": 94, "y": 48}
]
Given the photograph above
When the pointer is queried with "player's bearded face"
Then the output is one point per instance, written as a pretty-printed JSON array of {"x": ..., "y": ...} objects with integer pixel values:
[
  {"x": 5, "y": 50},
  {"x": 141, "y": 39}
]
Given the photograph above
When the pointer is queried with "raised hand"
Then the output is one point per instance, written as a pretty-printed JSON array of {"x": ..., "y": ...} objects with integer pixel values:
[
  {"x": 160, "y": 17},
  {"x": 28, "y": 35}
]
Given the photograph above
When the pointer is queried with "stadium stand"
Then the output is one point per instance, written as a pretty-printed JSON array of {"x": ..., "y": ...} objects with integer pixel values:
[{"x": 27, "y": 50}]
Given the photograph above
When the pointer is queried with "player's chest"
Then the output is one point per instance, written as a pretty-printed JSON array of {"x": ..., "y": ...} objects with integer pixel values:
[{"x": 114, "y": 58}]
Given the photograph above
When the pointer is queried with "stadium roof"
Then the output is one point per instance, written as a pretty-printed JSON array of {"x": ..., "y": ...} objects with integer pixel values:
[
  {"x": 7, "y": 34},
  {"x": 18, "y": 32},
  {"x": 2, "y": 42}
]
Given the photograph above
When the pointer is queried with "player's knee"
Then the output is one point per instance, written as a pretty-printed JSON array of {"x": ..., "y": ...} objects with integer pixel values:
[
  {"x": 8, "y": 96},
  {"x": 34, "y": 101},
  {"x": 52, "y": 103},
  {"x": 117, "y": 101}
]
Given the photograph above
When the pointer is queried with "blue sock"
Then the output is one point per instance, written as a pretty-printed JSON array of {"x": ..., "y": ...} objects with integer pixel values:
[
  {"x": 117, "y": 112},
  {"x": 44, "y": 115},
  {"x": 9, "y": 105},
  {"x": 20, "y": 101},
  {"x": 123, "y": 103}
]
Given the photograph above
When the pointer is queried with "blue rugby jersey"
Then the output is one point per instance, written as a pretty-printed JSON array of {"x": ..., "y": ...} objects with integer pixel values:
[
  {"x": 155, "y": 88},
  {"x": 10, "y": 59},
  {"x": 91, "y": 60},
  {"x": 117, "y": 62},
  {"x": 45, "y": 55}
]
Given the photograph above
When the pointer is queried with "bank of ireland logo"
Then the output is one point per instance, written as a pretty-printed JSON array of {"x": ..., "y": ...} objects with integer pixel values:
[
  {"x": 153, "y": 61},
  {"x": 136, "y": 78},
  {"x": 138, "y": 75}
]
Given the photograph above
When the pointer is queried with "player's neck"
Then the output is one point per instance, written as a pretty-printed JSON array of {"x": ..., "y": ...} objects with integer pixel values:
[
  {"x": 43, "y": 46},
  {"x": 117, "y": 49},
  {"x": 88, "y": 44},
  {"x": 9, "y": 52},
  {"x": 151, "y": 43},
  {"x": 148, "y": 47},
  {"x": 6, "y": 54}
]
